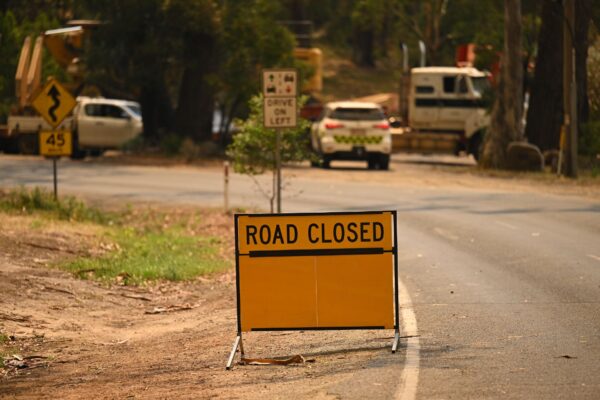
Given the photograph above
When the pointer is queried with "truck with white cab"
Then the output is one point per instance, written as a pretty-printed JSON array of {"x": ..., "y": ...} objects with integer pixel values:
[{"x": 447, "y": 111}]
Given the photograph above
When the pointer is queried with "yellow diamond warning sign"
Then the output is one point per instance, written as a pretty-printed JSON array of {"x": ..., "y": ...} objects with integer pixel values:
[{"x": 54, "y": 103}]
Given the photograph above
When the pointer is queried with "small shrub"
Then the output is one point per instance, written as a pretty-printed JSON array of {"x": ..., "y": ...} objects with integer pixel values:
[
  {"x": 589, "y": 140},
  {"x": 170, "y": 144}
]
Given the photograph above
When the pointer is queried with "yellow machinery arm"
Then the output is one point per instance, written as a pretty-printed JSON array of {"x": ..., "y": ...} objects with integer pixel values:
[
  {"x": 29, "y": 71},
  {"x": 64, "y": 44}
]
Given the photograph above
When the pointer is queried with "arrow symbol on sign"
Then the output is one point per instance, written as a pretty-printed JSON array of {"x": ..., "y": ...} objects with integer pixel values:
[{"x": 55, "y": 94}]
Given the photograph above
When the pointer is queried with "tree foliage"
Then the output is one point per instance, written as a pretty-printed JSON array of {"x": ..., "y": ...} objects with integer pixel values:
[
  {"x": 181, "y": 56},
  {"x": 251, "y": 40},
  {"x": 253, "y": 148},
  {"x": 14, "y": 28}
]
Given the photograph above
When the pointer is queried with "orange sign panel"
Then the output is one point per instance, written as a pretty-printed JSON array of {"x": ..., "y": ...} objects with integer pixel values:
[
  {"x": 56, "y": 143},
  {"x": 316, "y": 271}
]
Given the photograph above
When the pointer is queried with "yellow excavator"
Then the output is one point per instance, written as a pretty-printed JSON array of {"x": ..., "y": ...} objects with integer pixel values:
[{"x": 66, "y": 46}]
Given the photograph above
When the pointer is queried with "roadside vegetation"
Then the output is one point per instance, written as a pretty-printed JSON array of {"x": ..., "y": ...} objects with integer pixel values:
[
  {"x": 41, "y": 202},
  {"x": 137, "y": 257},
  {"x": 134, "y": 246},
  {"x": 4, "y": 348}
]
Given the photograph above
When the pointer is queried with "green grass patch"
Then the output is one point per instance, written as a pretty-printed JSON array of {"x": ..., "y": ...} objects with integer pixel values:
[
  {"x": 4, "y": 352},
  {"x": 153, "y": 255},
  {"x": 143, "y": 244},
  {"x": 3, "y": 338},
  {"x": 37, "y": 200}
]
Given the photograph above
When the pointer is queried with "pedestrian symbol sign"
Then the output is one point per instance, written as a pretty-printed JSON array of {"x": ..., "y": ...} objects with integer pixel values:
[
  {"x": 54, "y": 103},
  {"x": 280, "y": 83}
]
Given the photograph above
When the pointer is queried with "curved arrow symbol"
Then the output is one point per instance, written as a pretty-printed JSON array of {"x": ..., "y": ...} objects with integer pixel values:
[{"x": 55, "y": 94}]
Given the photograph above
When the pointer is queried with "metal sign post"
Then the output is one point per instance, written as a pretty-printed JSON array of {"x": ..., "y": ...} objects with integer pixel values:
[
  {"x": 55, "y": 179},
  {"x": 280, "y": 88},
  {"x": 278, "y": 167}
]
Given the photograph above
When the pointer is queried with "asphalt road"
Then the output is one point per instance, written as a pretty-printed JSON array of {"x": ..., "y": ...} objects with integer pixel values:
[{"x": 505, "y": 286}]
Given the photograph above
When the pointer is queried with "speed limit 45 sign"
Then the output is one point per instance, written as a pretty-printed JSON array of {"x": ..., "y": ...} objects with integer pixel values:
[{"x": 56, "y": 143}]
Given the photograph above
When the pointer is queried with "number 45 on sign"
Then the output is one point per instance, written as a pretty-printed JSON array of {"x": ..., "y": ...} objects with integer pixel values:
[{"x": 56, "y": 143}]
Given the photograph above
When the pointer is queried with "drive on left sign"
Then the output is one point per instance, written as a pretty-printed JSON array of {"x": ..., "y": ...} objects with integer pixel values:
[
  {"x": 280, "y": 112},
  {"x": 54, "y": 103}
]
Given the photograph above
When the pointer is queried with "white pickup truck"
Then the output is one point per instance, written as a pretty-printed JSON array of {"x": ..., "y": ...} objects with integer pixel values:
[{"x": 97, "y": 124}]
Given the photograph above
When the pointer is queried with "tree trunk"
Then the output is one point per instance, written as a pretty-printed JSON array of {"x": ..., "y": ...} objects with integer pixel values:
[
  {"x": 505, "y": 124},
  {"x": 364, "y": 47},
  {"x": 195, "y": 109},
  {"x": 544, "y": 116},
  {"x": 156, "y": 110},
  {"x": 583, "y": 14}
]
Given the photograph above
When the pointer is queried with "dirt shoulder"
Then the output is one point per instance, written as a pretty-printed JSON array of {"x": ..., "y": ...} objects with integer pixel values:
[{"x": 70, "y": 338}]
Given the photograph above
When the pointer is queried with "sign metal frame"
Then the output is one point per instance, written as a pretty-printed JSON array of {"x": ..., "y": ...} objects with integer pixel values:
[{"x": 319, "y": 252}]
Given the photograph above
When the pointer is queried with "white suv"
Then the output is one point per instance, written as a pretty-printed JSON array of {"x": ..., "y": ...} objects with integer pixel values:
[{"x": 352, "y": 130}]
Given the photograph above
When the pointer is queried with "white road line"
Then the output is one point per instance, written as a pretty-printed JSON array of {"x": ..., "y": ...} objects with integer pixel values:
[
  {"x": 407, "y": 390},
  {"x": 595, "y": 257},
  {"x": 507, "y": 225}
]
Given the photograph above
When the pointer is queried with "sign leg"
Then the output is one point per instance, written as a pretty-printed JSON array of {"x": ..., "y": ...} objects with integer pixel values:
[
  {"x": 55, "y": 180},
  {"x": 238, "y": 341},
  {"x": 278, "y": 166},
  {"x": 396, "y": 341}
]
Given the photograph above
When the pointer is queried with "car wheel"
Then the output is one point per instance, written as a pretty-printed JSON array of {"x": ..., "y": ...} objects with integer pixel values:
[
  {"x": 475, "y": 145},
  {"x": 77, "y": 153},
  {"x": 96, "y": 152},
  {"x": 326, "y": 163},
  {"x": 384, "y": 162}
]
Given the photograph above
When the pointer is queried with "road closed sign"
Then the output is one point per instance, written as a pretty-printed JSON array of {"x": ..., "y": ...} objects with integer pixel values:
[{"x": 323, "y": 271}]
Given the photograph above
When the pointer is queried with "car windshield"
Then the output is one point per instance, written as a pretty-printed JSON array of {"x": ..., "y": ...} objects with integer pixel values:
[
  {"x": 135, "y": 109},
  {"x": 357, "y": 114},
  {"x": 480, "y": 84}
]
